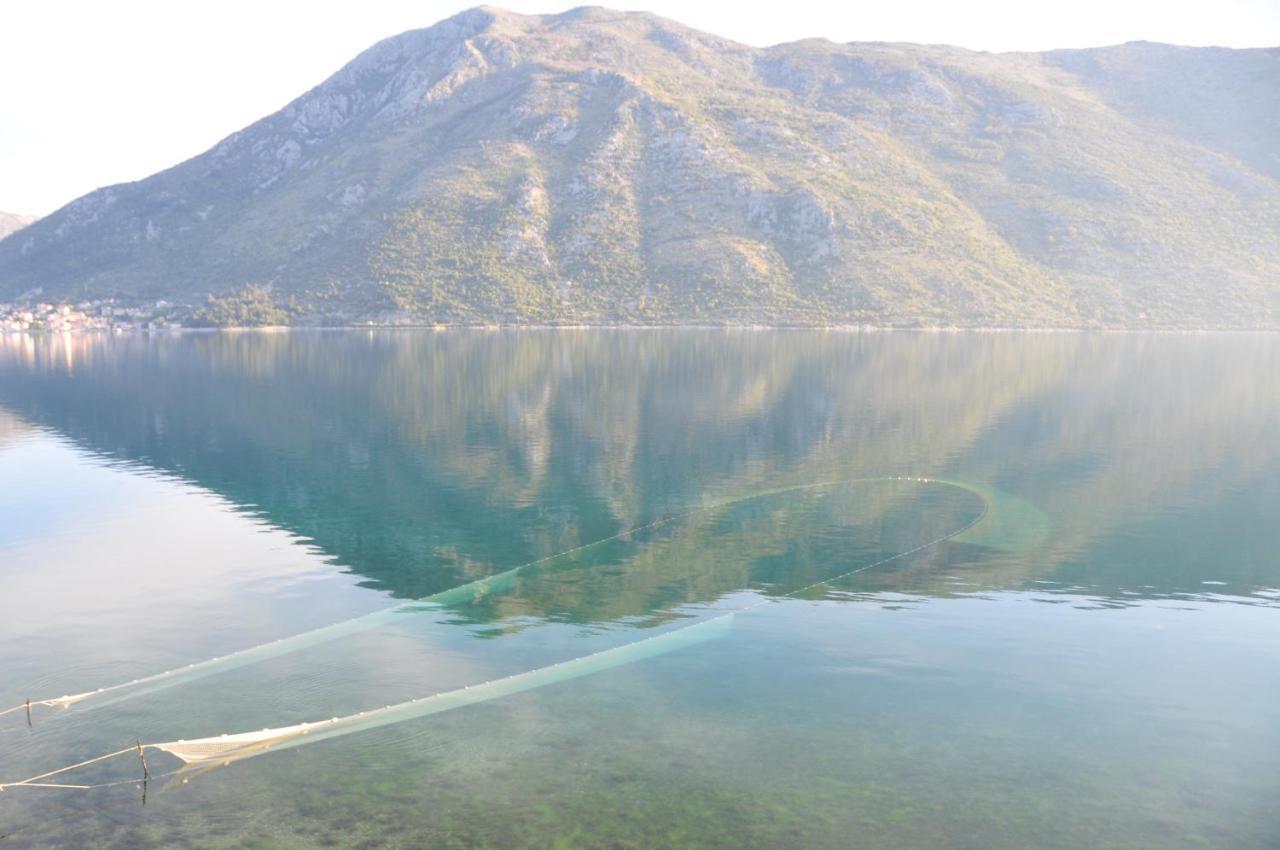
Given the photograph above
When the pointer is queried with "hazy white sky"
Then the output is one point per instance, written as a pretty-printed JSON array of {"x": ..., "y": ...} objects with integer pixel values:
[{"x": 103, "y": 92}]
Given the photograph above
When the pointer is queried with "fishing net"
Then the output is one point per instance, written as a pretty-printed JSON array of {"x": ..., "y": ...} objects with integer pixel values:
[{"x": 1000, "y": 521}]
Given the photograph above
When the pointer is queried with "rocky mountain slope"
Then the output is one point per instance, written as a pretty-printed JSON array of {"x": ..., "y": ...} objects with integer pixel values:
[
  {"x": 12, "y": 222},
  {"x": 599, "y": 166}
]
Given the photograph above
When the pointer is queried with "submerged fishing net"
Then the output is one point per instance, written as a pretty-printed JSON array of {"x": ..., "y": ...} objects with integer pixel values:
[
  {"x": 1015, "y": 530},
  {"x": 224, "y": 749}
]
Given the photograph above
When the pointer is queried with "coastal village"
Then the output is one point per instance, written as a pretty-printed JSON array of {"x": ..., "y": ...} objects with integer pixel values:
[{"x": 98, "y": 315}]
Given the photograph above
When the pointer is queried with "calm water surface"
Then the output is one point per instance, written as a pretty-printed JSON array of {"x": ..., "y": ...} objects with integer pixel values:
[{"x": 1068, "y": 636}]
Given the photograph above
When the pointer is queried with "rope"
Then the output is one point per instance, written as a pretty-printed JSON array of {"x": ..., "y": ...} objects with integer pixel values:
[
  {"x": 233, "y": 747},
  {"x": 35, "y": 779},
  {"x": 27, "y": 783}
]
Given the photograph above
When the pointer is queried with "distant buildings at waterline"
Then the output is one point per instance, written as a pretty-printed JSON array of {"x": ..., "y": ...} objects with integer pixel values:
[{"x": 99, "y": 315}]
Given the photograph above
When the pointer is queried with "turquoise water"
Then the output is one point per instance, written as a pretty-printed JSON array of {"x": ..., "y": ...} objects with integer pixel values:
[{"x": 1068, "y": 635}]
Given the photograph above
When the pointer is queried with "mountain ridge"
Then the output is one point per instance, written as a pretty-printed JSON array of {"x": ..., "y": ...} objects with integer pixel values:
[
  {"x": 614, "y": 167},
  {"x": 13, "y": 222}
]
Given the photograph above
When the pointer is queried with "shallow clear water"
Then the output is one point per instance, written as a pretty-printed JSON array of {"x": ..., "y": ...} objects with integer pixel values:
[{"x": 1095, "y": 662}]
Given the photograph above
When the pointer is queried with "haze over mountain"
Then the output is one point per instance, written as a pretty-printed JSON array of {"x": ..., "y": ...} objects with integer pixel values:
[
  {"x": 12, "y": 222},
  {"x": 600, "y": 166}
]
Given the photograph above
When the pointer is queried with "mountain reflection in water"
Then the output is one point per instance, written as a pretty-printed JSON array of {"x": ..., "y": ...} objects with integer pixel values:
[{"x": 422, "y": 460}]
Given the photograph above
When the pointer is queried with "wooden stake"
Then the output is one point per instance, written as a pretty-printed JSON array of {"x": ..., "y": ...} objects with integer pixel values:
[
  {"x": 146, "y": 774},
  {"x": 28, "y": 712}
]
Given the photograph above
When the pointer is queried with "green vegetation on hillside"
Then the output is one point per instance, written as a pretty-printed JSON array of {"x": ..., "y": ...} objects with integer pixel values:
[
  {"x": 608, "y": 167},
  {"x": 252, "y": 305}
]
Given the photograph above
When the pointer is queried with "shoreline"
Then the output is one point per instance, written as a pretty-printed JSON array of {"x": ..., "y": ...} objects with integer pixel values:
[{"x": 490, "y": 327}]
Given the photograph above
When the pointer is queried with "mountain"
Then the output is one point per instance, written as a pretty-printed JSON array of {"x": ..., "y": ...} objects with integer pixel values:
[
  {"x": 601, "y": 167},
  {"x": 12, "y": 222}
]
